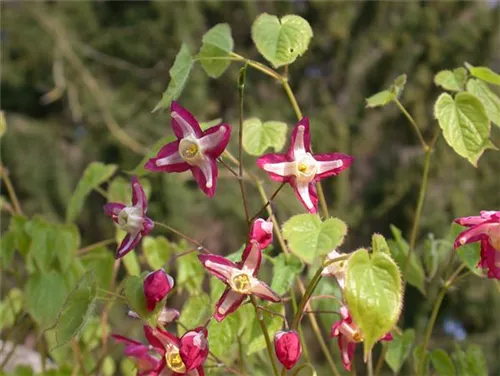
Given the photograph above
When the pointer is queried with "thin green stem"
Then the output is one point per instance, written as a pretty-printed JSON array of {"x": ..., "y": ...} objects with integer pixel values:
[
  {"x": 305, "y": 298},
  {"x": 91, "y": 247},
  {"x": 380, "y": 361},
  {"x": 304, "y": 366},
  {"x": 10, "y": 189},
  {"x": 184, "y": 236},
  {"x": 269, "y": 344},
  {"x": 369, "y": 364},
  {"x": 241, "y": 90},
  {"x": 413, "y": 123},
  {"x": 273, "y": 196}
]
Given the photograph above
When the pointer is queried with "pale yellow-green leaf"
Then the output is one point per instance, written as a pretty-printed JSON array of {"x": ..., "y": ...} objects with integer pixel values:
[
  {"x": 259, "y": 136},
  {"x": 488, "y": 98},
  {"x": 216, "y": 49}
]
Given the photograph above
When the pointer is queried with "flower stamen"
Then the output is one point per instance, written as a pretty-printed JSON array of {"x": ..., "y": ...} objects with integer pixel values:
[{"x": 174, "y": 362}]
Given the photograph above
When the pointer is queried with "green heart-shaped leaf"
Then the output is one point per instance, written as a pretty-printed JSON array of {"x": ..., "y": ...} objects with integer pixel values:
[
  {"x": 465, "y": 125},
  {"x": 281, "y": 41},
  {"x": 373, "y": 294},
  {"x": 215, "y": 50},
  {"x": 489, "y": 99},
  {"x": 309, "y": 238},
  {"x": 258, "y": 136},
  {"x": 451, "y": 80}
]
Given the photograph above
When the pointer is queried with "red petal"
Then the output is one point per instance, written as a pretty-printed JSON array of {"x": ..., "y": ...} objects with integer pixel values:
[
  {"x": 273, "y": 159},
  {"x": 191, "y": 123},
  {"x": 219, "y": 266},
  {"x": 157, "y": 285},
  {"x": 194, "y": 348},
  {"x": 201, "y": 179},
  {"x": 297, "y": 142},
  {"x": 346, "y": 161},
  {"x": 252, "y": 257},
  {"x": 138, "y": 195},
  {"x": 228, "y": 303},
  {"x": 128, "y": 243},
  {"x": 173, "y": 163},
  {"x": 215, "y": 140},
  {"x": 113, "y": 209},
  {"x": 263, "y": 291}
]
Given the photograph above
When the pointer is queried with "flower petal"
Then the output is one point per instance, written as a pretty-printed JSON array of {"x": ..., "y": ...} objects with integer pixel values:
[
  {"x": 475, "y": 233},
  {"x": 148, "y": 225},
  {"x": 490, "y": 259},
  {"x": 160, "y": 339},
  {"x": 262, "y": 232},
  {"x": 263, "y": 291},
  {"x": 128, "y": 243},
  {"x": 194, "y": 348},
  {"x": 215, "y": 139},
  {"x": 183, "y": 122},
  {"x": 287, "y": 348},
  {"x": 167, "y": 315},
  {"x": 168, "y": 159},
  {"x": 138, "y": 195},
  {"x": 251, "y": 258},
  {"x": 219, "y": 266},
  {"x": 112, "y": 210},
  {"x": 157, "y": 285},
  {"x": 347, "y": 349},
  {"x": 331, "y": 164},
  {"x": 469, "y": 221},
  {"x": 127, "y": 341},
  {"x": 206, "y": 174},
  {"x": 307, "y": 194},
  {"x": 228, "y": 303},
  {"x": 301, "y": 140},
  {"x": 277, "y": 166}
]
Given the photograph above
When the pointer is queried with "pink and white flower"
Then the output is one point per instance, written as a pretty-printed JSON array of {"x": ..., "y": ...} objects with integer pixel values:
[
  {"x": 179, "y": 356},
  {"x": 194, "y": 150},
  {"x": 335, "y": 269},
  {"x": 157, "y": 285},
  {"x": 262, "y": 232},
  {"x": 131, "y": 219},
  {"x": 302, "y": 169},
  {"x": 287, "y": 347},
  {"x": 147, "y": 364},
  {"x": 240, "y": 279},
  {"x": 349, "y": 335},
  {"x": 486, "y": 229}
]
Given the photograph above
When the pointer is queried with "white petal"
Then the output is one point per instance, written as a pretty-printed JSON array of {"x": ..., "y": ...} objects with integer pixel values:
[
  {"x": 298, "y": 146},
  {"x": 206, "y": 167},
  {"x": 303, "y": 190},
  {"x": 281, "y": 169},
  {"x": 225, "y": 270},
  {"x": 212, "y": 140},
  {"x": 171, "y": 159},
  {"x": 187, "y": 130},
  {"x": 324, "y": 166}
]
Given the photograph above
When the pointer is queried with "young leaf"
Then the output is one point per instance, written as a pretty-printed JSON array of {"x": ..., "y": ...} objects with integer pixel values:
[
  {"x": 285, "y": 269},
  {"x": 179, "y": 74},
  {"x": 465, "y": 125},
  {"x": 489, "y": 99},
  {"x": 451, "y": 80},
  {"x": 414, "y": 273},
  {"x": 399, "y": 349},
  {"x": 309, "y": 238},
  {"x": 258, "y": 136},
  {"x": 379, "y": 244},
  {"x": 45, "y": 294},
  {"x": 215, "y": 50},
  {"x": 10, "y": 307},
  {"x": 77, "y": 309},
  {"x": 281, "y": 41},
  {"x": 373, "y": 293},
  {"x": 195, "y": 310},
  {"x": 380, "y": 99},
  {"x": 223, "y": 336},
  {"x": 94, "y": 175},
  {"x": 157, "y": 251},
  {"x": 442, "y": 363},
  {"x": 476, "y": 362},
  {"x": 484, "y": 73},
  {"x": 399, "y": 84},
  {"x": 101, "y": 261}
]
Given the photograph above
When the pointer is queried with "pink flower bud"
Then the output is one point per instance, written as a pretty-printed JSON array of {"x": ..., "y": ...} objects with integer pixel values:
[
  {"x": 194, "y": 347},
  {"x": 262, "y": 232},
  {"x": 287, "y": 347},
  {"x": 157, "y": 285}
]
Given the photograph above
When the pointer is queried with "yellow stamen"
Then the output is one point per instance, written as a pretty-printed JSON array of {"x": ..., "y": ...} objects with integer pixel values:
[
  {"x": 241, "y": 283},
  {"x": 174, "y": 362},
  {"x": 302, "y": 167},
  {"x": 191, "y": 151}
]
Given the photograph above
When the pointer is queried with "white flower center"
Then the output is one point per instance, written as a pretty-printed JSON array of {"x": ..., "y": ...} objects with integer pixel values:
[
  {"x": 305, "y": 168},
  {"x": 130, "y": 219},
  {"x": 190, "y": 151},
  {"x": 241, "y": 283}
]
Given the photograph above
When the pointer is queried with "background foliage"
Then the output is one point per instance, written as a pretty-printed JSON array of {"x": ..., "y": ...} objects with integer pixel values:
[{"x": 105, "y": 64}]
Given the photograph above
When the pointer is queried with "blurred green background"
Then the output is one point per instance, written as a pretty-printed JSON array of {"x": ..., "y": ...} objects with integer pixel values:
[{"x": 57, "y": 124}]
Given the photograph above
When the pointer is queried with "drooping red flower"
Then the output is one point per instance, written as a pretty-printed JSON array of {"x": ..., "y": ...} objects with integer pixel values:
[
  {"x": 179, "y": 356},
  {"x": 287, "y": 347},
  {"x": 194, "y": 150},
  {"x": 262, "y": 232},
  {"x": 147, "y": 364},
  {"x": 349, "y": 335},
  {"x": 240, "y": 279},
  {"x": 486, "y": 229},
  {"x": 302, "y": 169},
  {"x": 157, "y": 285},
  {"x": 131, "y": 219}
]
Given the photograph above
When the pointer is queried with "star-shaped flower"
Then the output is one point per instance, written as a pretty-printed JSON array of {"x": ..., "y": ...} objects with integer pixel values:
[
  {"x": 240, "y": 279},
  {"x": 302, "y": 169},
  {"x": 486, "y": 229},
  {"x": 194, "y": 150},
  {"x": 131, "y": 219},
  {"x": 179, "y": 356},
  {"x": 348, "y": 336}
]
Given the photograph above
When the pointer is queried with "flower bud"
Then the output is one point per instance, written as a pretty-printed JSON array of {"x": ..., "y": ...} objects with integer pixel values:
[
  {"x": 287, "y": 347},
  {"x": 262, "y": 232},
  {"x": 157, "y": 285},
  {"x": 194, "y": 348}
]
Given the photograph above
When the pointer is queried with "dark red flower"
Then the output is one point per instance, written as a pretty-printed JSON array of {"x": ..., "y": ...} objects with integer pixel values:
[{"x": 157, "y": 285}]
